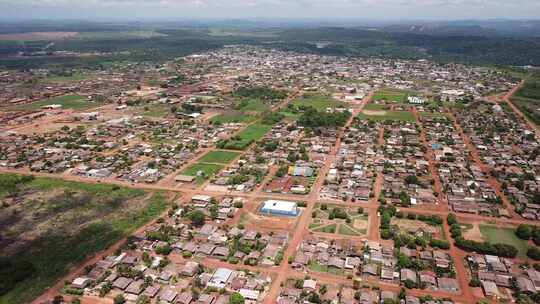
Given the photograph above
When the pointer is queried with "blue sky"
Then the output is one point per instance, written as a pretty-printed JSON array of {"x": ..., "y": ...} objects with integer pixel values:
[{"x": 362, "y": 9}]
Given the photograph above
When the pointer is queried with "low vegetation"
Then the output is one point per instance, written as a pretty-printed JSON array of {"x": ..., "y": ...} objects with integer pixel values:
[{"x": 59, "y": 224}]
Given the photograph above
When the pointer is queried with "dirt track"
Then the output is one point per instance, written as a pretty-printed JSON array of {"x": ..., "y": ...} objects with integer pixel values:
[{"x": 283, "y": 271}]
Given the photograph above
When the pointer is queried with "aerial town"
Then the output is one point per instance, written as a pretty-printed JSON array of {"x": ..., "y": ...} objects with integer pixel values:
[{"x": 289, "y": 178}]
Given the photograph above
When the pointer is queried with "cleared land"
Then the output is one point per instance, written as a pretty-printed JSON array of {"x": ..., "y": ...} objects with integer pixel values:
[
  {"x": 251, "y": 134},
  {"x": 232, "y": 117},
  {"x": 319, "y": 102},
  {"x": 393, "y": 95},
  {"x": 219, "y": 157},
  {"x": 387, "y": 115},
  {"x": 75, "y": 102},
  {"x": 50, "y": 225},
  {"x": 495, "y": 235},
  {"x": 208, "y": 170}
]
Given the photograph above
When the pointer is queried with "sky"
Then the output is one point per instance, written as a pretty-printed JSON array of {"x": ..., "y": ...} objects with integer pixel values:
[{"x": 250, "y": 9}]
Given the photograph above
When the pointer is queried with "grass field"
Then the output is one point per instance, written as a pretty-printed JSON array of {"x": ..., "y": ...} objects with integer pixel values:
[
  {"x": 208, "y": 170},
  {"x": 374, "y": 107},
  {"x": 319, "y": 102},
  {"x": 253, "y": 105},
  {"x": 495, "y": 235},
  {"x": 75, "y": 102},
  {"x": 219, "y": 157},
  {"x": 250, "y": 134},
  {"x": 234, "y": 117},
  {"x": 393, "y": 95},
  {"x": 389, "y": 115},
  {"x": 155, "y": 110},
  {"x": 69, "y": 221}
]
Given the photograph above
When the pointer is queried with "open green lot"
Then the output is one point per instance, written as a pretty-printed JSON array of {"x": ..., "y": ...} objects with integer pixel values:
[
  {"x": 393, "y": 95},
  {"x": 57, "y": 224},
  {"x": 75, "y": 102},
  {"x": 495, "y": 235},
  {"x": 208, "y": 171},
  {"x": 375, "y": 107},
  {"x": 253, "y": 105},
  {"x": 249, "y": 135},
  {"x": 219, "y": 157},
  {"x": 388, "y": 115},
  {"x": 232, "y": 117},
  {"x": 317, "y": 101}
]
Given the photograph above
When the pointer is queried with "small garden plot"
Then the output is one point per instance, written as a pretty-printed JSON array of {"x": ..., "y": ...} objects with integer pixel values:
[
  {"x": 219, "y": 157},
  {"x": 75, "y": 102},
  {"x": 202, "y": 171},
  {"x": 381, "y": 115},
  {"x": 339, "y": 219},
  {"x": 493, "y": 234}
]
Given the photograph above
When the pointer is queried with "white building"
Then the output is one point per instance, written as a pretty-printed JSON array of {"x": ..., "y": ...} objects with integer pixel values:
[{"x": 276, "y": 207}]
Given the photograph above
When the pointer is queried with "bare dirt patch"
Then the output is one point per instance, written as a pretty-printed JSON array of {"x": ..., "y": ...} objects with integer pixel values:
[
  {"x": 374, "y": 113},
  {"x": 473, "y": 233},
  {"x": 360, "y": 224}
]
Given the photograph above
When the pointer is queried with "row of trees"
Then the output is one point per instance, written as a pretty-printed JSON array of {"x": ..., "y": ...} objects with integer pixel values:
[{"x": 502, "y": 250}]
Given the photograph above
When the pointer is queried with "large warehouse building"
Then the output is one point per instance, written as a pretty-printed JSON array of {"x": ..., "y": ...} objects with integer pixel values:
[{"x": 275, "y": 207}]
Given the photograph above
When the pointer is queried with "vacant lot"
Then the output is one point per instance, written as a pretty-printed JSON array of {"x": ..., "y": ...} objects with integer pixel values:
[
  {"x": 387, "y": 115},
  {"x": 253, "y": 105},
  {"x": 207, "y": 170},
  {"x": 219, "y": 157},
  {"x": 317, "y": 101},
  {"x": 49, "y": 225},
  {"x": 75, "y": 102},
  {"x": 495, "y": 235},
  {"x": 393, "y": 95},
  {"x": 232, "y": 117},
  {"x": 245, "y": 138}
]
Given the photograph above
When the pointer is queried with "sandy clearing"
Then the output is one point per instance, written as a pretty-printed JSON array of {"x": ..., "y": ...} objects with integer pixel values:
[{"x": 374, "y": 113}]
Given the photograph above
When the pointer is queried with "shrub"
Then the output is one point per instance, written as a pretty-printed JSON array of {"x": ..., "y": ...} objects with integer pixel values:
[
  {"x": 524, "y": 232},
  {"x": 534, "y": 253}
]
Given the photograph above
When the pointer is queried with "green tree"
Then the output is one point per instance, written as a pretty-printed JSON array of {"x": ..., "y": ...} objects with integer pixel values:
[{"x": 236, "y": 298}]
